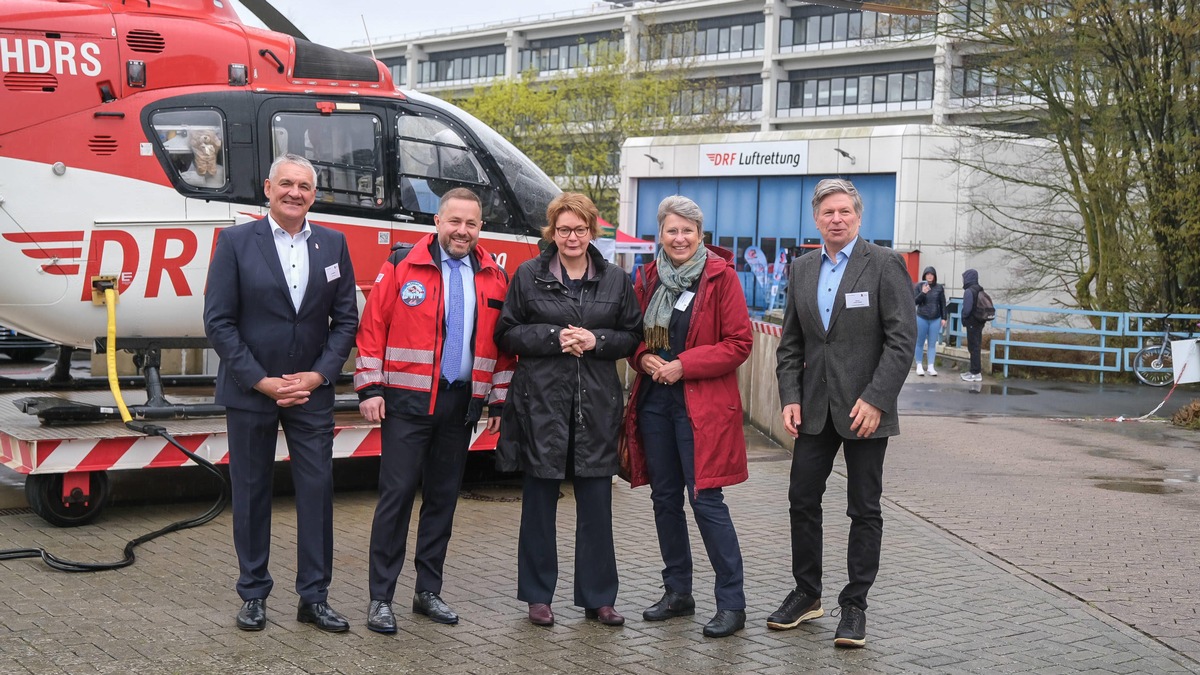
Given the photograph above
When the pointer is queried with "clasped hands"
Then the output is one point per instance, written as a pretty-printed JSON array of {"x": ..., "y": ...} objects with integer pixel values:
[
  {"x": 576, "y": 341},
  {"x": 292, "y": 389},
  {"x": 661, "y": 370}
]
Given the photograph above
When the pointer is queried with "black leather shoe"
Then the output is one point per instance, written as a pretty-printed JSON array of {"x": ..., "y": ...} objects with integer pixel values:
[
  {"x": 429, "y": 604},
  {"x": 670, "y": 606},
  {"x": 606, "y": 615},
  {"x": 725, "y": 622},
  {"x": 796, "y": 608},
  {"x": 322, "y": 616},
  {"x": 380, "y": 617},
  {"x": 253, "y": 615},
  {"x": 852, "y": 629}
]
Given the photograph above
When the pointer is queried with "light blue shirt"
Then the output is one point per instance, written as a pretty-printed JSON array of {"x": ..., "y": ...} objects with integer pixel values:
[
  {"x": 293, "y": 258},
  {"x": 830, "y": 279},
  {"x": 468, "y": 282}
]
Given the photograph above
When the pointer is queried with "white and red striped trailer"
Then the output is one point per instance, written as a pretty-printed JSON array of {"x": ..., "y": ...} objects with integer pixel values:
[{"x": 66, "y": 465}]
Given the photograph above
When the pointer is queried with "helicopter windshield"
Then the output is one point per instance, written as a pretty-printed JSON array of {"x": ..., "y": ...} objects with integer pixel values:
[{"x": 530, "y": 185}]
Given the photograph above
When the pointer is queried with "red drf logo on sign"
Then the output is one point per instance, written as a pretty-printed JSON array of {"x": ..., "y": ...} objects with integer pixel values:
[{"x": 722, "y": 158}]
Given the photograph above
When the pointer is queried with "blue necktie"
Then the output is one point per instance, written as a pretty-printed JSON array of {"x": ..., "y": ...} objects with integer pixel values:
[{"x": 452, "y": 350}]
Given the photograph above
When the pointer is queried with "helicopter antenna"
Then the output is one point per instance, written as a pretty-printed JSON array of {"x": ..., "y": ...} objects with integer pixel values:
[{"x": 368, "y": 34}]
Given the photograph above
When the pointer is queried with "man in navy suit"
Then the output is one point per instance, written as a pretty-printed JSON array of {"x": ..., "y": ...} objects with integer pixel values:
[{"x": 280, "y": 311}]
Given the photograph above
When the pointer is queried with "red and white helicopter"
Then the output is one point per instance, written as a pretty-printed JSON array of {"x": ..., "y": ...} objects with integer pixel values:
[{"x": 133, "y": 132}]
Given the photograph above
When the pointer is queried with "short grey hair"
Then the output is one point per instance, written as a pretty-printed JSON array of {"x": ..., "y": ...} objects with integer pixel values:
[
  {"x": 291, "y": 158},
  {"x": 682, "y": 207},
  {"x": 832, "y": 186}
]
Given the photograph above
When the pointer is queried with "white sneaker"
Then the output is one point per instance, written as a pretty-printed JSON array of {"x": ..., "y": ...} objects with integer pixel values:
[
  {"x": 967, "y": 377},
  {"x": 931, "y": 371},
  {"x": 977, "y": 377},
  {"x": 920, "y": 370}
]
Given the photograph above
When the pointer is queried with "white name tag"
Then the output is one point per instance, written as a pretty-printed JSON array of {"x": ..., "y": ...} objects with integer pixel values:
[
  {"x": 333, "y": 272},
  {"x": 685, "y": 299},
  {"x": 857, "y": 300}
]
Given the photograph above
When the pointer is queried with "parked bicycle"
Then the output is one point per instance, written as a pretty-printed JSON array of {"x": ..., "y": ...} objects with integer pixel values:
[{"x": 1153, "y": 364}]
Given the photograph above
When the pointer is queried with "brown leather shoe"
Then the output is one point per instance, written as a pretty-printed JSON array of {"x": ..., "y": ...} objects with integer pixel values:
[
  {"x": 605, "y": 615},
  {"x": 540, "y": 614}
]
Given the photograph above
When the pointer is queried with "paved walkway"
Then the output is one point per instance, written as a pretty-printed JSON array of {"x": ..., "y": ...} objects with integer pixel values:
[{"x": 982, "y": 572}]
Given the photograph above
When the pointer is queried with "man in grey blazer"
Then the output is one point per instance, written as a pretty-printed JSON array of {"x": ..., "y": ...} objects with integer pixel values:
[
  {"x": 848, "y": 335},
  {"x": 280, "y": 310}
]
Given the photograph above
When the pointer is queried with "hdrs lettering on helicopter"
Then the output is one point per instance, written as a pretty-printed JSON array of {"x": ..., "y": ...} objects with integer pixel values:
[{"x": 37, "y": 56}]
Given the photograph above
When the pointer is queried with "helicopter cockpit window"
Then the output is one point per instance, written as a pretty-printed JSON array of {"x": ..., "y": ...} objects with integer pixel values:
[
  {"x": 194, "y": 141},
  {"x": 345, "y": 149},
  {"x": 433, "y": 158}
]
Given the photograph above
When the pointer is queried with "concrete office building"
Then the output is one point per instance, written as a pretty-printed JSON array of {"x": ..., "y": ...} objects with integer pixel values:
[{"x": 819, "y": 91}]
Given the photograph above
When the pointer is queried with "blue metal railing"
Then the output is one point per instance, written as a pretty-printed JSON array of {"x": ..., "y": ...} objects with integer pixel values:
[{"x": 1041, "y": 320}]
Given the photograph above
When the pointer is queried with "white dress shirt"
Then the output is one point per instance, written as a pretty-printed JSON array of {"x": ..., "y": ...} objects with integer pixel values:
[{"x": 293, "y": 258}]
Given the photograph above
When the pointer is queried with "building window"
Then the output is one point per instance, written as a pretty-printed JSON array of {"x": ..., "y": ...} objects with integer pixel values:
[
  {"x": 576, "y": 51},
  {"x": 821, "y": 28},
  {"x": 464, "y": 65},
  {"x": 857, "y": 89},
  {"x": 723, "y": 37},
  {"x": 399, "y": 70}
]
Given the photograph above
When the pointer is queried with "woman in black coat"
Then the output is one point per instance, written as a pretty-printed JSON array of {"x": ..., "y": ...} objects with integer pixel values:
[{"x": 569, "y": 317}]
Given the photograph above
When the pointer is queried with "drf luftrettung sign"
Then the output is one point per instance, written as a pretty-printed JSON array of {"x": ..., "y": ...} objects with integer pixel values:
[{"x": 754, "y": 159}]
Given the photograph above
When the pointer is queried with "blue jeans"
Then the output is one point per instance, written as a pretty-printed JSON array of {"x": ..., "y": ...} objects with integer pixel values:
[
  {"x": 928, "y": 331},
  {"x": 670, "y": 460}
]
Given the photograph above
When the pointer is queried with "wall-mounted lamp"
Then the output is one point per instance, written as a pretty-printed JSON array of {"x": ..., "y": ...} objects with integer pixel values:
[
  {"x": 655, "y": 160},
  {"x": 845, "y": 154}
]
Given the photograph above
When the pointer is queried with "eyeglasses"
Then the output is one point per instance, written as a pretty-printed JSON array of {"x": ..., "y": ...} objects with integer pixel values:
[{"x": 566, "y": 232}]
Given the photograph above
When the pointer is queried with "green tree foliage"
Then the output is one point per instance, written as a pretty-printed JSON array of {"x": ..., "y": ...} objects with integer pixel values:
[
  {"x": 573, "y": 123},
  {"x": 1110, "y": 89}
]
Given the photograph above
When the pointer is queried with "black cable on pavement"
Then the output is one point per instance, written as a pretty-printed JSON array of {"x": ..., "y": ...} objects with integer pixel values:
[{"x": 64, "y": 565}]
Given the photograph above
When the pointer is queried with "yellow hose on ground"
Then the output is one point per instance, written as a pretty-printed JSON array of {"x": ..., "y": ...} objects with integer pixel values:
[{"x": 110, "y": 301}]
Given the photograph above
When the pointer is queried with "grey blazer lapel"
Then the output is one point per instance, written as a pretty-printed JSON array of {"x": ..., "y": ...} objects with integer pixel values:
[
  {"x": 266, "y": 245},
  {"x": 855, "y": 266},
  {"x": 807, "y": 281}
]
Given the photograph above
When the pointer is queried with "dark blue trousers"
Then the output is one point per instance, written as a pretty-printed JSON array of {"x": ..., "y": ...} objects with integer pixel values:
[
  {"x": 418, "y": 451},
  {"x": 667, "y": 439},
  {"x": 812, "y": 462},
  {"x": 252, "y": 439}
]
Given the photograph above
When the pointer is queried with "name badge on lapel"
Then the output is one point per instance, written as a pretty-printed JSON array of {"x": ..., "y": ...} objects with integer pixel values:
[
  {"x": 333, "y": 272},
  {"x": 857, "y": 300},
  {"x": 685, "y": 299}
]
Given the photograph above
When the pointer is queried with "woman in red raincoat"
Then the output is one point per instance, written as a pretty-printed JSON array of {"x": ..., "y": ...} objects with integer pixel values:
[{"x": 683, "y": 425}]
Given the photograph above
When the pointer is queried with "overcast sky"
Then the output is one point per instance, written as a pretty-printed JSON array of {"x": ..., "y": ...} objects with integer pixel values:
[{"x": 340, "y": 24}]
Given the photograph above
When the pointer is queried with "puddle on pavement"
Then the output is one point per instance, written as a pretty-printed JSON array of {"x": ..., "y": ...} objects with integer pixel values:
[
  {"x": 1000, "y": 390},
  {"x": 1145, "y": 486}
]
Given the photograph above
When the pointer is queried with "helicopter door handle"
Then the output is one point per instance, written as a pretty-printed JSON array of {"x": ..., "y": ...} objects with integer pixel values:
[{"x": 271, "y": 54}]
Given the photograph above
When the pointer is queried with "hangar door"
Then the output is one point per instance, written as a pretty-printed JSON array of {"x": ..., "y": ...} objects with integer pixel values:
[{"x": 771, "y": 212}]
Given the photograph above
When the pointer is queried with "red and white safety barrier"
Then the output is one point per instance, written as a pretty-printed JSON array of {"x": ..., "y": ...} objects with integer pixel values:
[
  {"x": 767, "y": 328},
  {"x": 145, "y": 452}
]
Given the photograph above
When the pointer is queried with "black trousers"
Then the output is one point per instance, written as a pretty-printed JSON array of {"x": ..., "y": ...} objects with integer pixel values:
[
  {"x": 812, "y": 462},
  {"x": 974, "y": 345},
  {"x": 252, "y": 438},
  {"x": 429, "y": 451}
]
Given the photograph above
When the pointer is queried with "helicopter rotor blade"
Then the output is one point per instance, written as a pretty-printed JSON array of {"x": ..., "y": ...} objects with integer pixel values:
[
  {"x": 272, "y": 18},
  {"x": 873, "y": 7}
]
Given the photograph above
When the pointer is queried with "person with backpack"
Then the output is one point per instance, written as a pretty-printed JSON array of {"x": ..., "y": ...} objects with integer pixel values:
[
  {"x": 931, "y": 317},
  {"x": 977, "y": 310}
]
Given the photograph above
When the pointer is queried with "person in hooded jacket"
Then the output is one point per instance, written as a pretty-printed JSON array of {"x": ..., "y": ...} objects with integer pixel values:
[
  {"x": 973, "y": 327},
  {"x": 569, "y": 317},
  {"x": 931, "y": 317},
  {"x": 683, "y": 427}
]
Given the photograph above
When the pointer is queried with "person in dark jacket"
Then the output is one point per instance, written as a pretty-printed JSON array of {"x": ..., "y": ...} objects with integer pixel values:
[
  {"x": 683, "y": 427},
  {"x": 569, "y": 316},
  {"x": 974, "y": 328},
  {"x": 931, "y": 317}
]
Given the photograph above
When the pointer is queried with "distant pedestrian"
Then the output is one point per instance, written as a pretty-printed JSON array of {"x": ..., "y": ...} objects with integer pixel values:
[
  {"x": 931, "y": 317},
  {"x": 848, "y": 336},
  {"x": 973, "y": 326}
]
